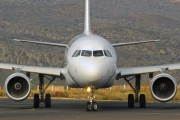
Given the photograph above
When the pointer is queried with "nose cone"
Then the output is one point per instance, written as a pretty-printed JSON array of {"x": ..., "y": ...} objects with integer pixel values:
[{"x": 92, "y": 72}]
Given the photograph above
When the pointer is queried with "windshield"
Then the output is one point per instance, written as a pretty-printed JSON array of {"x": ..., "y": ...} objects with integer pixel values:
[
  {"x": 77, "y": 53},
  {"x": 98, "y": 53},
  {"x": 107, "y": 53},
  {"x": 87, "y": 53}
]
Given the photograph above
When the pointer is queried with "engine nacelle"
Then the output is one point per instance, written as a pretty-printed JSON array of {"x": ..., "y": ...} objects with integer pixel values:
[
  {"x": 17, "y": 86},
  {"x": 163, "y": 87}
]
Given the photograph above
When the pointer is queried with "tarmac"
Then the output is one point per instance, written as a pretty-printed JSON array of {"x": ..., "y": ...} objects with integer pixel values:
[{"x": 63, "y": 109}]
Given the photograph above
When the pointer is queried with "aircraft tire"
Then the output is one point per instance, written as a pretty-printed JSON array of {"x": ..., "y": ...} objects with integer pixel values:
[
  {"x": 130, "y": 101},
  {"x": 94, "y": 106},
  {"x": 88, "y": 106},
  {"x": 36, "y": 101},
  {"x": 47, "y": 101},
  {"x": 142, "y": 101}
]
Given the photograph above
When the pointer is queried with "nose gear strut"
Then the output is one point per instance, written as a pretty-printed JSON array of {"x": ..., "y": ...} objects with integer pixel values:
[{"x": 91, "y": 105}]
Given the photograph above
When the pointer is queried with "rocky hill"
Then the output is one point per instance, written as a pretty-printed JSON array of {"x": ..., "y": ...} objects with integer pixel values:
[{"x": 116, "y": 20}]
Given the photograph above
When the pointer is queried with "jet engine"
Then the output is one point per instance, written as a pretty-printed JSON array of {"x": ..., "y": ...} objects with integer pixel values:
[
  {"x": 163, "y": 87},
  {"x": 17, "y": 86}
]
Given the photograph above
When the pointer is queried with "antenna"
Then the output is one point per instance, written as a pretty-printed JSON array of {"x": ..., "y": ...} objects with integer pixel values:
[{"x": 87, "y": 22}]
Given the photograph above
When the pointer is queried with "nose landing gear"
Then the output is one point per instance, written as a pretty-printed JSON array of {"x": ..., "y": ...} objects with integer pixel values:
[{"x": 91, "y": 105}]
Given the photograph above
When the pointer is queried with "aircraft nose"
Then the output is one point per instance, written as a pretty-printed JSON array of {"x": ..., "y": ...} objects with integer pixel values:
[{"x": 92, "y": 72}]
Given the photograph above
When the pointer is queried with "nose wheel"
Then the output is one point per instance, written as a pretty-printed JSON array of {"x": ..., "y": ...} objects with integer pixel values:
[{"x": 91, "y": 105}]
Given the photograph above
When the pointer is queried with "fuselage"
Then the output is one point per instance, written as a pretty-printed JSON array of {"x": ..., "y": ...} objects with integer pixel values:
[{"x": 91, "y": 60}]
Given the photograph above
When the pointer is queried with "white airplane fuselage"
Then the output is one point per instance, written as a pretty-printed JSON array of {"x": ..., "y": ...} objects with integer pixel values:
[{"x": 83, "y": 71}]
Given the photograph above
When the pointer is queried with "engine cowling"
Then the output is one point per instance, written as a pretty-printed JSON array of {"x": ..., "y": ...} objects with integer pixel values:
[
  {"x": 163, "y": 87},
  {"x": 17, "y": 86}
]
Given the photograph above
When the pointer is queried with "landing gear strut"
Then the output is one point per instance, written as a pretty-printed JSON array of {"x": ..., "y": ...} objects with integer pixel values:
[
  {"x": 91, "y": 105},
  {"x": 47, "y": 99},
  {"x": 131, "y": 99}
]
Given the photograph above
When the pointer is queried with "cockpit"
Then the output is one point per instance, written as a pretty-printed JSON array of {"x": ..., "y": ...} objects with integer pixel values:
[{"x": 89, "y": 53}]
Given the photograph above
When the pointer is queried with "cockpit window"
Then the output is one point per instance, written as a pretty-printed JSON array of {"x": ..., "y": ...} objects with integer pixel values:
[
  {"x": 107, "y": 53},
  {"x": 98, "y": 53},
  {"x": 74, "y": 53},
  {"x": 87, "y": 53},
  {"x": 77, "y": 53}
]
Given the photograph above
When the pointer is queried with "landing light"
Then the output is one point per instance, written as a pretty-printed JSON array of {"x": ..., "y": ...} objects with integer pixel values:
[{"x": 89, "y": 89}]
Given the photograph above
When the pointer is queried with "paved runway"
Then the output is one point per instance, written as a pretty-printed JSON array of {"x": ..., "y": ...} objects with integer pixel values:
[{"x": 75, "y": 109}]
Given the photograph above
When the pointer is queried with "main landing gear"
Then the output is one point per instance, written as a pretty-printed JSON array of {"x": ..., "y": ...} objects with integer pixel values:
[
  {"x": 91, "y": 105},
  {"x": 38, "y": 99},
  {"x": 131, "y": 99}
]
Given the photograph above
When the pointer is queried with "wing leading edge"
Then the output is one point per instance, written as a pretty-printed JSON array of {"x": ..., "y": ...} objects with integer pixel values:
[
  {"x": 45, "y": 43},
  {"x": 146, "y": 69},
  {"x": 131, "y": 43},
  {"x": 33, "y": 69}
]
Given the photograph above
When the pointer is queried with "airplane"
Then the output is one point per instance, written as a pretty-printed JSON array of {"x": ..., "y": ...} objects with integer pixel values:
[{"x": 84, "y": 69}]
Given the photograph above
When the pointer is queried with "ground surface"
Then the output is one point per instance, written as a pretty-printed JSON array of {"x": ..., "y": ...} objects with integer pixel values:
[{"x": 75, "y": 109}]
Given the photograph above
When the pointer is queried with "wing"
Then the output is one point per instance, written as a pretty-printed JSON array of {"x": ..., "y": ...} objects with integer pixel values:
[
  {"x": 44, "y": 43},
  {"x": 146, "y": 69},
  {"x": 130, "y": 43},
  {"x": 32, "y": 69}
]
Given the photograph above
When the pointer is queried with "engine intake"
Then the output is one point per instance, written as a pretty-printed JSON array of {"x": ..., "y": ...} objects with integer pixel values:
[
  {"x": 163, "y": 87},
  {"x": 17, "y": 86}
]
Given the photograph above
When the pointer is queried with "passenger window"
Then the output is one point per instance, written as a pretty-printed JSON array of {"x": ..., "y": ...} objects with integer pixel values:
[
  {"x": 86, "y": 53},
  {"x": 98, "y": 53},
  {"x": 77, "y": 53},
  {"x": 107, "y": 53}
]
